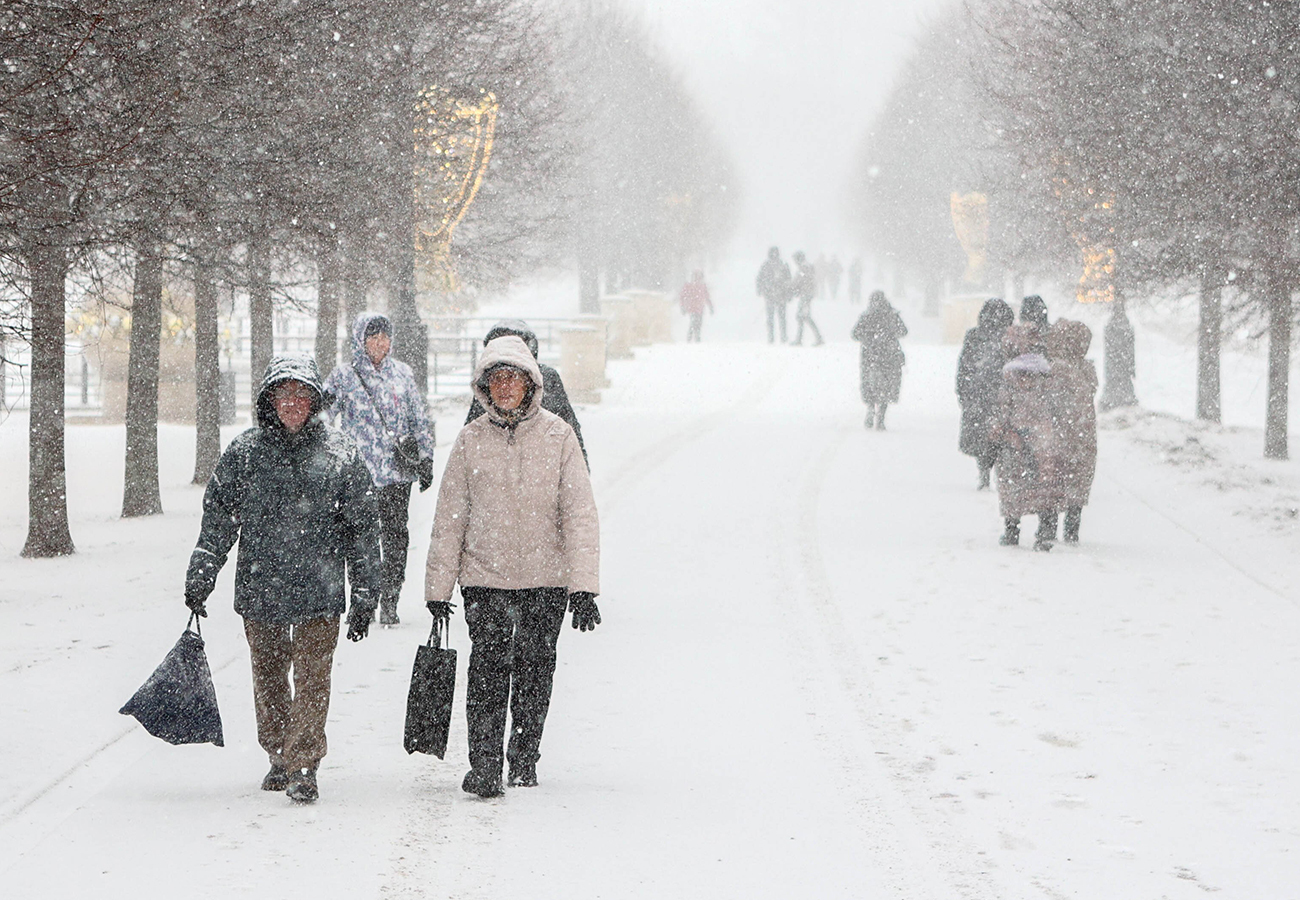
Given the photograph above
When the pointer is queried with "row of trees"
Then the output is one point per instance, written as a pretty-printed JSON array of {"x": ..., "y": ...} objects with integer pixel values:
[
  {"x": 1159, "y": 139},
  {"x": 250, "y": 145}
]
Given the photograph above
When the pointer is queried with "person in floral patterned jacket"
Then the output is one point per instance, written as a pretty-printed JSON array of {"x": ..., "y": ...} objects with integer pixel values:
[{"x": 376, "y": 402}]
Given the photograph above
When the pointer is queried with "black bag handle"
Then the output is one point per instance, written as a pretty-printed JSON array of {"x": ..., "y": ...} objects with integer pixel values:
[
  {"x": 194, "y": 620},
  {"x": 436, "y": 634}
]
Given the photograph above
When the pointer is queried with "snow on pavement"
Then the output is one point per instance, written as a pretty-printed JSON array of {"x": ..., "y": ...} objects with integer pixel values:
[{"x": 817, "y": 675}]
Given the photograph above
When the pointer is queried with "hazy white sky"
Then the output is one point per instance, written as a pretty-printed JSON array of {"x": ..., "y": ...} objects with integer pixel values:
[{"x": 790, "y": 86}]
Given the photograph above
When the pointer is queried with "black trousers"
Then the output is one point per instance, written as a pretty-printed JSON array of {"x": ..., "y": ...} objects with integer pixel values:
[
  {"x": 512, "y": 662},
  {"x": 394, "y": 509}
]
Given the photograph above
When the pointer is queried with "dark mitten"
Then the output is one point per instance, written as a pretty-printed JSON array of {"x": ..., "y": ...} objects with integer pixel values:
[
  {"x": 441, "y": 609},
  {"x": 425, "y": 471},
  {"x": 196, "y": 602},
  {"x": 586, "y": 616},
  {"x": 359, "y": 618}
]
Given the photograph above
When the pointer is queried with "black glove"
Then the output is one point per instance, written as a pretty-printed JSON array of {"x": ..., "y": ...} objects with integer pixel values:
[
  {"x": 425, "y": 470},
  {"x": 441, "y": 609},
  {"x": 359, "y": 618},
  {"x": 197, "y": 603},
  {"x": 585, "y": 614}
]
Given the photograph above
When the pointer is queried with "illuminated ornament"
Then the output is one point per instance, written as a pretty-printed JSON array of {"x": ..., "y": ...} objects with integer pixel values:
[
  {"x": 970, "y": 219},
  {"x": 1091, "y": 214},
  {"x": 453, "y": 145}
]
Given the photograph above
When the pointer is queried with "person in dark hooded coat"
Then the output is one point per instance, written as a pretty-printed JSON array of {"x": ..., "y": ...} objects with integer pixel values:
[
  {"x": 880, "y": 374},
  {"x": 1071, "y": 389},
  {"x": 378, "y": 404},
  {"x": 554, "y": 399},
  {"x": 979, "y": 378},
  {"x": 298, "y": 498}
]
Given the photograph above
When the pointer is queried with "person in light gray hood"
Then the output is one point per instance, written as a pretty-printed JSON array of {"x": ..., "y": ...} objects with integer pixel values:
[
  {"x": 516, "y": 528},
  {"x": 299, "y": 500},
  {"x": 377, "y": 404}
]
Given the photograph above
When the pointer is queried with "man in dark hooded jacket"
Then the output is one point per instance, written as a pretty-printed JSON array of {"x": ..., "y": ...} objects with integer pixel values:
[
  {"x": 300, "y": 501},
  {"x": 554, "y": 399}
]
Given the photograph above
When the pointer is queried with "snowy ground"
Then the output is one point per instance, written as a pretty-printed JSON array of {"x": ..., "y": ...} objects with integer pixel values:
[{"x": 818, "y": 674}]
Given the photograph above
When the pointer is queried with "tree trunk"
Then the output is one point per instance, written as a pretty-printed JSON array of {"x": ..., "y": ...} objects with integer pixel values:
[
  {"x": 140, "y": 494},
  {"x": 47, "y": 486},
  {"x": 354, "y": 287},
  {"x": 1279, "y": 362},
  {"x": 261, "y": 315},
  {"x": 329, "y": 267},
  {"x": 207, "y": 373},
  {"x": 1208, "y": 341}
]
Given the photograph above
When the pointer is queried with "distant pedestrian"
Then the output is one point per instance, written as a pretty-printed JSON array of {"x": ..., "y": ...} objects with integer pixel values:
[
  {"x": 1071, "y": 387},
  {"x": 554, "y": 397},
  {"x": 694, "y": 298},
  {"x": 804, "y": 289},
  {"x": 1028, "y": 449},
  {"x": 979, "y": 379},
  {"x": 298, "y": 498},
  {"x": 1033, "y": 316},
  {"x": 377, "y": 403},
  {"x": 516, "y": 528},
  {"x": 774, "y": 287},
  {"x": 855, "y": 280},
  {"x": 834, "y": 272},
  {"x": 880, "y": 376},
  {"x": 1120, "y": 360}
]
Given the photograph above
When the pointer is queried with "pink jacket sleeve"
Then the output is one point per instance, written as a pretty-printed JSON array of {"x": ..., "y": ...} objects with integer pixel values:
[
  {"x": 579, "y": 524},
  {"x": 450, "y": 521}
]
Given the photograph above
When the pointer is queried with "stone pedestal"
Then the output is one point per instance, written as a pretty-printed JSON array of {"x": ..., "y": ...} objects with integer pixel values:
[
  {"x": 619, "y": 312},
  {"x": 582, "y": 363}
]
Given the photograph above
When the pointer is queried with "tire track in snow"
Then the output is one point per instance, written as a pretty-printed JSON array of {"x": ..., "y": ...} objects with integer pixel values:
[{"x": 902, "y": 826}]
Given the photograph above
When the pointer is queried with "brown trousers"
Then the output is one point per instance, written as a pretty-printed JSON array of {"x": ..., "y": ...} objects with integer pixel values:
[{"x": 291, "y": 724}]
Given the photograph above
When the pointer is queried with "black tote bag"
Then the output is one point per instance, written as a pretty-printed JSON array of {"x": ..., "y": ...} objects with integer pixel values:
[
  {"x": 433, "y": 687},
  {"x": 179, "y": 702}
]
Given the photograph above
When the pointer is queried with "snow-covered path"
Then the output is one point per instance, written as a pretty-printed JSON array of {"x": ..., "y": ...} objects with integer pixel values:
[{"x": 818, "y": 675}]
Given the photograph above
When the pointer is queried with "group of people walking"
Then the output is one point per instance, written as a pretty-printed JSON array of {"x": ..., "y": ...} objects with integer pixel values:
[
  {"x": 777, "y": 285},
  {"x": 320, "y": 510},
  {"x": 1026, "y": 393}
]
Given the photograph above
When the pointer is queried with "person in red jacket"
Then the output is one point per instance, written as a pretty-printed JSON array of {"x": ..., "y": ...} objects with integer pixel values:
[{"x": 694, "y": 298}]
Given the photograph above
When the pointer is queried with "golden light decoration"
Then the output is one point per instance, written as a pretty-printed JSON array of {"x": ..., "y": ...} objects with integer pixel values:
[
  {"x": 1092, "y": 213},
  {"x": 453, "y": 146},
  {"x": 970, "y": 219}
]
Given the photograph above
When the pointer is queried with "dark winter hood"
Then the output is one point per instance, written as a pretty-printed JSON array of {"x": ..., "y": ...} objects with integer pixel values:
[
  {"x": 996, "y": 316},
  {"x": 508, "y": 350},
  {"x": 359, "y": 340},
  {"x": 286, "y": 368},
  {"x": 519, "y": 328}
]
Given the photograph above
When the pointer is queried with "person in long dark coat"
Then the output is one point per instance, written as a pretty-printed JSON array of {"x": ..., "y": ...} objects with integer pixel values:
[
  {"x": 1033, "y": 316},
  {"x": 979, "y": 377},
  {"x": 880, "y": 377},
  {"x": 1119, "y": 360},
  {"x": 1071, "y": 387},
  {"x": 773, "y": 285}
]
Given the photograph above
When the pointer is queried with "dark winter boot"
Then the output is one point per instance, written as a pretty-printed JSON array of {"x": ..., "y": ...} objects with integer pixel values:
[
  {"x": 1045, "y": 537},
  {"x": 1011, "y": 537},
  {"x": 1073, "y": 515},
  {"x": 277, "y": 779},
  {"x": 388, "y": 612},
  {"x": 480, "y": 783},
  {"x": 523, "y": 775},
  {"x": 302, "y": 786},
  {"x": 871, "y": 416}
]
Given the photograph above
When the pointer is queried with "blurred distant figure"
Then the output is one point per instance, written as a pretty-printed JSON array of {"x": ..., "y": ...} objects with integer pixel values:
[
  {"x": 834, "y": 271},
  {"x": 694, "y": 298},
  {"x": 820, "y": 268},
  {"x": 1071, "y": 387},
  {"x": 855, "y": 280},
  {"x": 879, "y": 330},
  {"x": 1119, "y": 361},
  {"x": 979, "y": 379},
  {"x": 1028, "y": 449},
  {"x": 1033, "y": 316},
  {"x": 804, "y": 288},
  {"x": 774, "y": 288}
]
